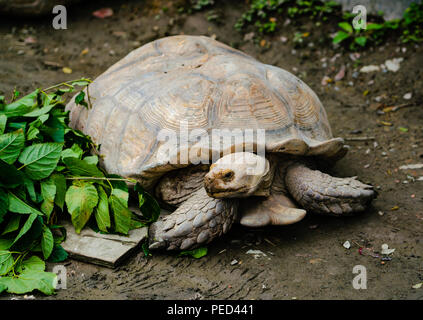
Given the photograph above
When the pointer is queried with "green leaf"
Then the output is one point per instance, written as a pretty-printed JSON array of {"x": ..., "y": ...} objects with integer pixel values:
[
  {"x": 48, "y": 191},
  {"x": 13, "y": 224},
  {"x": 80, "y": 97},
  {"x": 374, "y": 26},
  {"x": 39, "y": 111},
  {"x": 17, "y": 125},
  {"x": 58, "y": 239},
  {"x": 74, "y": 152},
  {"x": 361, "y": 41},
  {"x": 10, "y": 176},
  {"x": 60, "y": 182},
  {"x": 40, "y": 159},
  {"x": 47, "y": 242},
  {"x": 30, "y": 188},
  {"x": 91, "y": 160},
  {"x": 4, "y": 204},
  {"x": 80, "y": 200},
  {"x": 17, "y": 205},
  {"x": 149, "y": 207},
  {"x": 32, "y": 133},
  {"x": 55, "y": 126},
  {"x": 29, "y": 281},
  {"x": 340, "y": 36},
  {"x": 346, "y": 26},
  {"x": 101, "y": 213},
  {"x": 33, "y": 263},
  {"x": 21, "y": 106},
  {"x": 58, "y": 255},
  {"x": 31, "y": 237},
  {"x": 123, "y": 195},
  {"x": 80, "y": 168},
  {"x": 5, "y": 244},
  {"x": 82, "y": 82},
  {"x": 6, "y": 262},
  {"x": 118, "y": 184},
  {"x": 3, "y": 122},
  {"x": 122, "y": 215},
  {"x": 11, "y": 145},
  {"x": 26, "y": 226},
  {"x": 196, "y": 253}
]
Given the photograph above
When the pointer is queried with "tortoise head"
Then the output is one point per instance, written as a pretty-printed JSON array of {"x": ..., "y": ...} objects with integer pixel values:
[{"x": 237, "y": 175}]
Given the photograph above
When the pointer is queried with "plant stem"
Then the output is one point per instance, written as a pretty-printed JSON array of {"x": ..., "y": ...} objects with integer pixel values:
[
  {"x": 99, "y": 178},
  {"x": 67, "y": 83}
]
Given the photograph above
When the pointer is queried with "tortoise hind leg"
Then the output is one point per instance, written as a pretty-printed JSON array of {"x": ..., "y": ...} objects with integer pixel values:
[
  {"x": 322, "y": 193},
  {"x": 277, "y": 209},
  {"x": 197, "y": 221}
]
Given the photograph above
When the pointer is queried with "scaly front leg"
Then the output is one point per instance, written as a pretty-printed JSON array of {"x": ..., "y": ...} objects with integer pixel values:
[
  {"x": 322, "y": 193},
  {"x": 197, "y": 221}
]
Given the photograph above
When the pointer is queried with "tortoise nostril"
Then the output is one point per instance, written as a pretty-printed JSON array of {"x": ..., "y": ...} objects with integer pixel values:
[{"x": 208, "y": 180}]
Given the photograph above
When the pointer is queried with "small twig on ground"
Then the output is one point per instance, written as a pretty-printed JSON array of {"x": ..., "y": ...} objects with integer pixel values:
[{"x": 359, "y": 138}]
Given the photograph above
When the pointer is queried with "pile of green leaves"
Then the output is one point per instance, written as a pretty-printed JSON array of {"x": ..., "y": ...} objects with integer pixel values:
[
  {"x": 48, "y": 172},
  {"x": 262, "y": 13},
  {"x": 410, "y": 27},
  {"x": 196, "y": 5},
  {"x": 354, "y": 39},
  {"x": 412, "y": 23}
]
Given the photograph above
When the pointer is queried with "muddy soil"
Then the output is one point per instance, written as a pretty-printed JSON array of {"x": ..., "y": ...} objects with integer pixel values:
[{"x": 306, "y": 260}]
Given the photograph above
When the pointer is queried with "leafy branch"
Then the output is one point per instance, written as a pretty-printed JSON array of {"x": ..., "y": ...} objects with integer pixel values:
[{"x": 47, "y": 173}]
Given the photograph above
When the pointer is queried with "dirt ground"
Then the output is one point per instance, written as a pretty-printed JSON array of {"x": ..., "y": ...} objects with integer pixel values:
[{"x": 306, "y": 260}]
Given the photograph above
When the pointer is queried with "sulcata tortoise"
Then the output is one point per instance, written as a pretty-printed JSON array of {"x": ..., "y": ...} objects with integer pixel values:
[{"x": 195, "y": 85}]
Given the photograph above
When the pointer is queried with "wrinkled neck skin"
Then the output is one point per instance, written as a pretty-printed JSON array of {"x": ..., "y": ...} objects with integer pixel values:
[{"x": 263, "y": 189}]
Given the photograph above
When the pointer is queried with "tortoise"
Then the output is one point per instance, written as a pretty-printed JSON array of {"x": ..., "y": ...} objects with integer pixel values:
[
  {"x": 202, "y": 86},
  {"x": 31, "y": 7}
]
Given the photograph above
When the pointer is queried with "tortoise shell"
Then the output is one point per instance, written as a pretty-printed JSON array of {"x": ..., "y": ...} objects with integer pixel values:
[{"x": 203, "y": 84}]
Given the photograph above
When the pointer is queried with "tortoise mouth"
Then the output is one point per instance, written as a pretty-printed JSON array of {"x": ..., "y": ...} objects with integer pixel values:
[{"x": 227, "y": 193}]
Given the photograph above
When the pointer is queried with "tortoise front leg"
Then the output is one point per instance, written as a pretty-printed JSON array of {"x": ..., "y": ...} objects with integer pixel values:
[
  {"x": 322, "y": 193},
  {"x": 197, "y": 221},
  {"x": 277, "y": 209}
]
